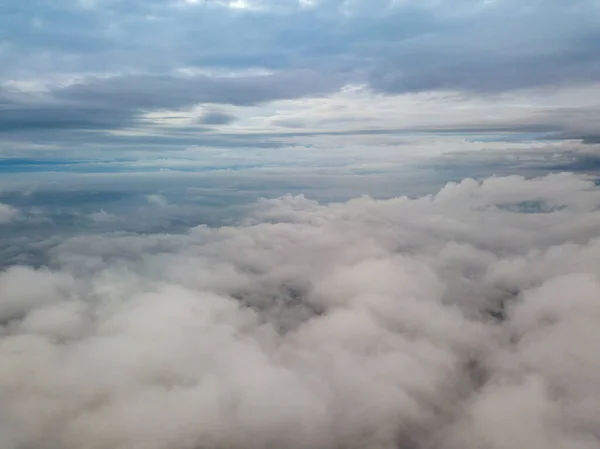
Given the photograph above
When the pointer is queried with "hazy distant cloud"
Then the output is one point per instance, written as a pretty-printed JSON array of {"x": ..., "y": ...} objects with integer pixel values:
[
  {"x": 216, "y": 118},
  {"x": 155, "y": 92},
  {"x": 7, "y": 213},
  {"x": 157, "y": 200},
  {"x": 472, "y": 314},
  {"x": 102, "y": 216},
  {"x": 120, "y": 101},
  {"x": 404, "y": 46}
]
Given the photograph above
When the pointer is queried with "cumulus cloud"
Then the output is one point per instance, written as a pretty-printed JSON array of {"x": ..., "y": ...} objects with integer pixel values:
[{"x": 464, "y": 319}]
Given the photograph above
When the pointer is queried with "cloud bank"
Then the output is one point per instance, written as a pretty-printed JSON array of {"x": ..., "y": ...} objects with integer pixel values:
[
  {"x": 111, "y": 78},
  {"x": 464, "y": 319}
]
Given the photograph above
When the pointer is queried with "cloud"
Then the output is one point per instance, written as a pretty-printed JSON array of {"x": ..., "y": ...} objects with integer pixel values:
[
  {"x": 102, "y": 216},
  {"x": 462, "y": 319},
  {"x": 354, "y": 116},
  {"x": 7, "y": 213},
  {"x": 216, "y": 118},
  {"x": 130, "y": 74},
  {"x": 120, "y": 101},
  {"x": 163, "y": 92},
  {"x": 157, "y": 200},
  {"x": 400, "y": 45}
]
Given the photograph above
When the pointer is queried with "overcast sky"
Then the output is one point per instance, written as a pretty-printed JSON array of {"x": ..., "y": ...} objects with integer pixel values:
[{"x": 118, "y": 79}]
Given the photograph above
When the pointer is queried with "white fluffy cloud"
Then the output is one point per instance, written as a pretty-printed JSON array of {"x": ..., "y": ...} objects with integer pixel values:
[{"x": 464, "y": 319}]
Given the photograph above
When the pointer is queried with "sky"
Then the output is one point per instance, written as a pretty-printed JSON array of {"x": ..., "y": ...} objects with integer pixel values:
[
  {"x": 174, "y": 81},
  {"x": 214, "y": 103},
  {"x": 301, "y": 224}
]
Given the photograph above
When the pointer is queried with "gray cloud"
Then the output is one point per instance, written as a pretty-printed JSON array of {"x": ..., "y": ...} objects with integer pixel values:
[
  {"x": 506, "y": 45},
  {"x": 153, "y": 92},
  {"x": 7, "y": 213},
  {"x": 396, "y": 47},
  {"x": 407, "y": 46},
  {"x": 216, "y": 118},
  {"x": 471, "y": 313},
  {"x": 118, "y": 102}
]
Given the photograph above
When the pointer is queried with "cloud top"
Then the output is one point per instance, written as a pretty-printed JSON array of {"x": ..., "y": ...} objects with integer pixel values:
[{"x": 464, "y": 319}]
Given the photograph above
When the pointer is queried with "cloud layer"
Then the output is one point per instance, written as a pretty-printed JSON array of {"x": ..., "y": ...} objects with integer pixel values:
[
  {"x": 464, "y": 319},
  {"x": 118, "y": 75}
]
